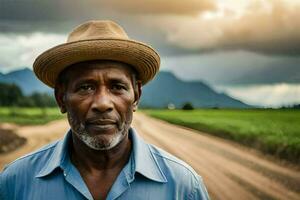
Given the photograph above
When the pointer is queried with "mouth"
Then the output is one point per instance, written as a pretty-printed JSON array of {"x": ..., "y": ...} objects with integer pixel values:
[
  {"x": 101, "y": 124},
  {"x": 101, "y": 121}
]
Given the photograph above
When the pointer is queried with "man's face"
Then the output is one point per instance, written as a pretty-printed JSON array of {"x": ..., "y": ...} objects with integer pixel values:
[{"x": 99, "y": 99}]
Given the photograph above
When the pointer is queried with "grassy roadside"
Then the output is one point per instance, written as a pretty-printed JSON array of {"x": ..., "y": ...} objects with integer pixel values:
[
  {"x": 276, "y": 132},
  {"x": 29, "y": 116}
]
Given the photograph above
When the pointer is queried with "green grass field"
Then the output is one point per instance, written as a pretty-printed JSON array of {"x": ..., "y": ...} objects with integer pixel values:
[
  {"x": 29, "y": 116},
  {"x": 275, "y": 132}
]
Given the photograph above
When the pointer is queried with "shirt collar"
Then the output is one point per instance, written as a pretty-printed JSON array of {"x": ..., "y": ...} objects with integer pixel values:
[
  {"x": 144, "y": 161},
  {"x": 58, "y": 156}
]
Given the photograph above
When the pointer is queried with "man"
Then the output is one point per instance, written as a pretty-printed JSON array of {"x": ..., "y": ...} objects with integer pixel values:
[{"x": 97, "y": 77}]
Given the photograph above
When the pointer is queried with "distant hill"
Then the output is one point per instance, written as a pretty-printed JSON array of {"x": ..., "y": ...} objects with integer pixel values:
[
  {"x": 163, "y": 90},
  {"x": 166, "y": 89},
  {"x": 26, "y": 80}
]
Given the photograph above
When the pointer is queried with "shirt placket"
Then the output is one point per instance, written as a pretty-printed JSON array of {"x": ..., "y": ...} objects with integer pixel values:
[{"x": 73, "y": 177}]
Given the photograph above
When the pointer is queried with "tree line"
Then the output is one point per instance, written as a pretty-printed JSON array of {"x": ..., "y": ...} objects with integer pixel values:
[{"x": 12, "y": 95}]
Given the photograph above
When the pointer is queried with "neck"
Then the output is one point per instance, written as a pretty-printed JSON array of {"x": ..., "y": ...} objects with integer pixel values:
[{"x": 90, "y": 160}]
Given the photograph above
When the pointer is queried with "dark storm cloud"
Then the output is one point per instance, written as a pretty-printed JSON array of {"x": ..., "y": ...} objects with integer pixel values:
[
  {"x": 235, "y": 68},
  {"x": 47, "y": 16},
  {"x": 174, "y": 27},
  {"x": 36, "y": 10},
  {"x": 56, "y": 16}
]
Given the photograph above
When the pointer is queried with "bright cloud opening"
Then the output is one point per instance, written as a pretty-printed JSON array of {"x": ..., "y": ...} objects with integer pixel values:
[
  {"x": 276, "y": 95},
  {"x": 269, "y": 27},
  {"x": 20, "y": 50}
]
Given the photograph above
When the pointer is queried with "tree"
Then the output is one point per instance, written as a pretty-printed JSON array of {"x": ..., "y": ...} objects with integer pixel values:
[
  {"x": 10, "y": 94},
  {"x": 188, "y": 106},
  {"x": 43, "y": 100}
]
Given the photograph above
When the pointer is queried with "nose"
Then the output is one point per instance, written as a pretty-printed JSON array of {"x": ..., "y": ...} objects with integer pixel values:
[{"x": 102, "y": 101}]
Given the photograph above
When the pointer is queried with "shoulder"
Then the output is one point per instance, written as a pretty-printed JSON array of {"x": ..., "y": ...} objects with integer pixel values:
[
  {"x": 23, "y": 171},
  {"x": 29, "y": 163},
  {"x": 172, "y": 163},
  {"x": 179, "y": 173}
]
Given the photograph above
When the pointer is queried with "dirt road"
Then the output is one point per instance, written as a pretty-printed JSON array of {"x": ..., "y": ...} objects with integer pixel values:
[{"x": 229, "y": 171}]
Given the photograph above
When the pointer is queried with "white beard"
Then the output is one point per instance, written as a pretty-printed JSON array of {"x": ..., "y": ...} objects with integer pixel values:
[{"x": 97, "y": 142}]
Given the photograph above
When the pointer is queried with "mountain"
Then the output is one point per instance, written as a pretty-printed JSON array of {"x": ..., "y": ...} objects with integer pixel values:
[
  {"x": 26, "y": 80},
  {"x": 167, "y": 89},
  {"x": 163, "y": 90}
]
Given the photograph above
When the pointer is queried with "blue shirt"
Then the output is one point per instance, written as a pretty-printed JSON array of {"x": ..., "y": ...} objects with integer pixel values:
[{"x": 150, "y": 173}]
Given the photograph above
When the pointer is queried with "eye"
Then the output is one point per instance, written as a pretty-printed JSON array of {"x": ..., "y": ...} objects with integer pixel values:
[
  {"x": 118, "y": 87},
  {"x": 86, "y": 87}
]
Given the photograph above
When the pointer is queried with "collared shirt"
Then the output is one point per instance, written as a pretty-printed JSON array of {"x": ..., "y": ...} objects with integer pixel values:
[{"x": 150, "y": 173}]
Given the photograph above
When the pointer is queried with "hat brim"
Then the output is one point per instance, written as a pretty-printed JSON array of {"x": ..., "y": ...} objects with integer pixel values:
[{"x": 142, "y": 57}]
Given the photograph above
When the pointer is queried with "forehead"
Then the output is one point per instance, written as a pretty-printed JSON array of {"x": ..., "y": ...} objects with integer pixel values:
[{"x": 111, "y": 69}]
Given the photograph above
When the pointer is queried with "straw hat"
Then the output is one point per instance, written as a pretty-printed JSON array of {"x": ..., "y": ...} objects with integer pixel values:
[{"x": 97, "y": 40}]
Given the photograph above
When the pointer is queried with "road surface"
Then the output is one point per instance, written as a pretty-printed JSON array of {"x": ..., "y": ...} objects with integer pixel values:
[{"x": 229, "y": 170}]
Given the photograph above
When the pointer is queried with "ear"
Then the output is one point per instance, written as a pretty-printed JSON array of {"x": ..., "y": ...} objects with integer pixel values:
[
  {"x": 137, "y": 95},
  {"x": 60, "y": 98}
]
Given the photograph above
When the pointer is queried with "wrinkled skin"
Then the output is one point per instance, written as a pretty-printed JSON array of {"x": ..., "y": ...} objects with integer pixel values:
[{"x": 99, "y": 98}]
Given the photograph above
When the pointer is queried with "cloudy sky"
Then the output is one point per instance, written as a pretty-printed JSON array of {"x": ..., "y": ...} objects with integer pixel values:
[{"x": 248, "y": 48}]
